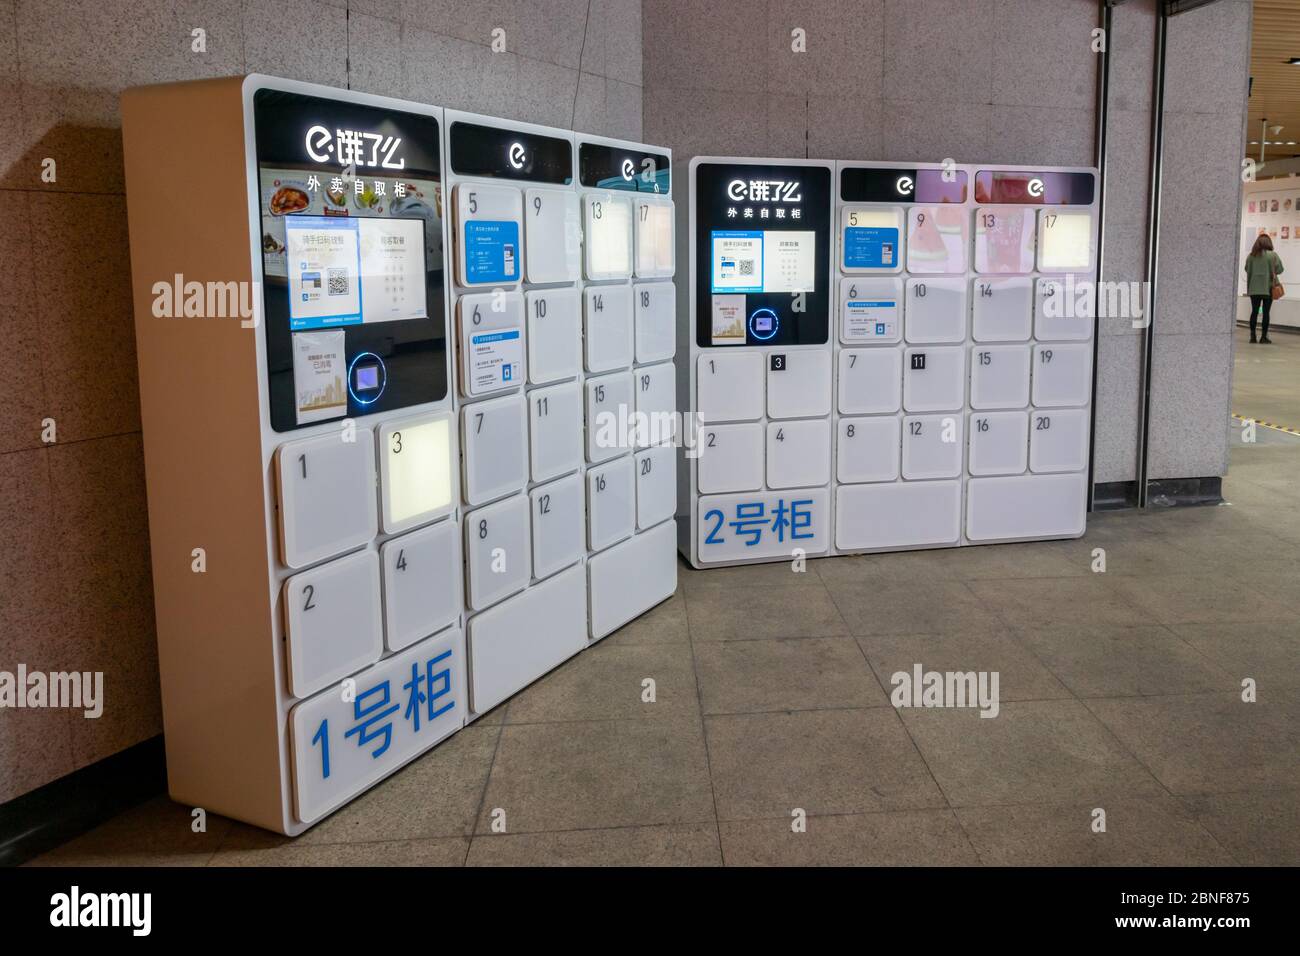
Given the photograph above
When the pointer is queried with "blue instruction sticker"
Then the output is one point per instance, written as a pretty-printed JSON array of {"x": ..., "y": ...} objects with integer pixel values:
[
  {"x": 491, "y": 251},
  {"x": 870, "y": 247}
]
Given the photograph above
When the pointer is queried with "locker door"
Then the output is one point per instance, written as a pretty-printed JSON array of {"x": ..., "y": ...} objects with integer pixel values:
[
  {"x": 327, "y": 496},
  {"x": 498, "y": 551},
  {"x": 656, "y": 486},
  {"x": 607, "y": 228},
  {"x": 871, "y": 381},
  {"x": 798, "y": 453},
  {"x": 656, "y": 403},
  {"x": 934, "y": 378},
  {"x": 937, "y": 239},
  {"x": 1065, "y": 241},
  {"x": 1004, "y": 239},
  {"x": 871, "y": 311},
  {"x": 999, "y": 376},
  {"x": 998, "y": 442},
  {"x": 491, "y": 342},
  {"x": 487, "y": 234},
  {"x": 607, "y": 311},
  {"x": 936, "y": 310},
  {"x": 422, "y": 583},
  {"x": 554, "y": 334},
  {"x": 870, "y": 239},
  {"x": 731, "y": 458},
  {"x": 1058, "y": 440},
  {"x": 1002, "y": 309},
  {"x": 729, "y": 388},
  {"x": 799, "y": 384},
  {"x": 932, "y": 446},
  {"x": 654, "y": 237},
  {"x": 553, "y": 234},
  {"x": 559, "y": 512},
  {"x": 555, "y": 430},
  {"x": 867, "y": 449},
  {"x": 1062, "y": 375},
  {"x": 610, "y": 409},
  {"x": 494, "y": 439},
  {"x": 611, "y": 502},
  {"x": 1059, "y": 313},
  {"x": 654, "y": 307},
  {"x": 332, "y": 621}
]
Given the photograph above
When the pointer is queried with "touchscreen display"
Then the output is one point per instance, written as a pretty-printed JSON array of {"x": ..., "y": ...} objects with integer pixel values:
[{"x": 764, "y": 261}]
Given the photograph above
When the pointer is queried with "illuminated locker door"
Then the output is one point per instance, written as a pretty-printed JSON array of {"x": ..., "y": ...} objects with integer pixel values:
[
  {"x": 729, "y": 388},
  {"x": 607, "y": 311},
  {"x": 491, "y": 342},
  {"x": 1004, "y": 239},
  {"x": 553, "y": 235},
  {"x": 656, "y": 486},
  {"x": 871, "y": 311},
  {"x": 607, "y": 232},
  {"x": 656, "y": 404},
  {"x": 1062, "y": 375},
  {"x": 488, "y": 229},
  {"x": 871, "y": 239},
  {"x": 871, "y": 381},
  {"x": 867, "y": 449},
  {"x": 655, "y": 320},
  {"x": 999, "y": 442},
  {"x": 555, "y": 430},
  {"x": 934, "y": 379},
  {"x": 494, "y": 436},
  {"x": 730, "y": 458},
  {"x": 332, "y": 621},
  {"x": 937, "y": 239},
  {"x": 417, "y": 478},
  {"x": 932, "y": 446},
  {"x": 554, "y": 334},
  {"x": 654, "y": 238},
  {"x": 422, "y": 583},
  {"x": 1058, "y": 440},
  {"x": 1002, "y": 310},
  {"x": 498, "y": 551},
  {"x": 1060, "y": 311},
  {"x": 799, "y": 384},
  {"x": 999, "y": 376},
  {"x": 610, "y": 414},
  {"x": 327, "y": 496},
  {"x": 1065, "y": 242},
  {"x": 798, "y": 453},
  {"x": 559, "y": 525},
  {"x": 936, "y": 310},
  {"x": 611, "y": 502}
]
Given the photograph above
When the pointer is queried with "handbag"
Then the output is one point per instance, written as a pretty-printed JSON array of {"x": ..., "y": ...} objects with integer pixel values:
[{"x": 1276, "y": 289}]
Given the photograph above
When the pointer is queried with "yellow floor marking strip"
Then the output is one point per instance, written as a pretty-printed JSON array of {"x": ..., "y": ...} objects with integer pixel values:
[{"x": 1278, "y": 428}]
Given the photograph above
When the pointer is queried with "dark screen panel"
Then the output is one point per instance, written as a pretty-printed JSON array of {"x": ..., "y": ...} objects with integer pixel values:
[{"x": 497, "y": 153}]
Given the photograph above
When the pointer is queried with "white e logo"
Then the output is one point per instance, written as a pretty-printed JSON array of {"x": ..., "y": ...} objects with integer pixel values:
[
  {"x": 517, "y": 155},
  {"x": 629, "y": 169},
  {"x": 317, "y": 137},
  {"x": 1035, "y": 187}
]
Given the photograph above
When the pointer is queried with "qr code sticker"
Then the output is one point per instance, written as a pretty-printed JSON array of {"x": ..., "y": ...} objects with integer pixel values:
[
  {"x": 338, "y": 281},
  {"x": 746, "y": 267}
]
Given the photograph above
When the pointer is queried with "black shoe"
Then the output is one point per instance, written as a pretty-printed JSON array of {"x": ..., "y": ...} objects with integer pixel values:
[
  {"x": 1252, "y": 338},
  {"x": 1265, "y": 341}
]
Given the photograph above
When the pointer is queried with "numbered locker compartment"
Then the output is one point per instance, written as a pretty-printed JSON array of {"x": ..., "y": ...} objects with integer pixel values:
[
  {"x": 867, "y": 449},
  {"x": 656, "y": 486},
  {"x": 610, "y": 415},
  {"x": 1057, "y": 312},
  {"x": 654, "y": 306},
  {"x": 422, "y": 583},
  {"x": 521, "y": 639},
  {"x": 607, "y": 235},
  {"x": 491, "y": 342},
  {"x": 1058, "y": 440},
  {"x": 730, "y": 458},
  {"x": 934, "y": 378},
  {"x": 936, "y": 311},
  {"x": 871, "y": 311},
  {"x": 871, "y": 239},
  {"x": 552, "y": 234},
  {"x": 498, "y": 551},
  {"x": 729, "y": 388},
  {"x": 607, "y": 313},
  {"x": 999, "y": 443},
  {"x": 932, "y": 446},
  {"x": 1062, "y": 375},
  {"x": 494, "y": 442},
  {"x": 798, "y": 453},
  {"x": 327, "y": 496},
  {"x": 332, "y": 621},
  {"x": 487, "y": 234},
  {"x": 1002, "y": 310},
  {"x": 871, "y": 381},
  {"x": 1065, "y": 242},
  {"x": 611, "y": 503},
  {"x": 554, "y": 334},
  {"x": 799, "y": 383},
  {"x": 898, "y": 515},
  {"x": 937, "y": 239},
  {"x": 656, "y": 404},
  {"x": 417, "y": 471},
  {"x": 559, "y": 512},
  {"x": 555, "y": 430},
  {"x": 1004, "y": 239},
  {"x": 1026, "y": 506},
  {"x": 999, "y": 376},
  {"x": 655, "y": 237}
]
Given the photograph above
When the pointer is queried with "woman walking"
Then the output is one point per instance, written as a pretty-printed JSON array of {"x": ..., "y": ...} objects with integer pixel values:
[{"x": 1263, "y": 266}]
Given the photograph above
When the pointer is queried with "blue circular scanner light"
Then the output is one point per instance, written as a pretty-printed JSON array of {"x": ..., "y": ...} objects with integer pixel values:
[
  {"x": 763, "y": 324},
  {"x": 367, "y": 378}
]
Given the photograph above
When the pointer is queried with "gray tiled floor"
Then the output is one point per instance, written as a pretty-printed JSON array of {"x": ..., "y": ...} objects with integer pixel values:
[{"x": 1121, "y": 692}]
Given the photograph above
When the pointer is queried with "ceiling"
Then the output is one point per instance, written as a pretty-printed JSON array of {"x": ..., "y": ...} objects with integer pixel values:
[{"x": 1275, "y": 94}]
